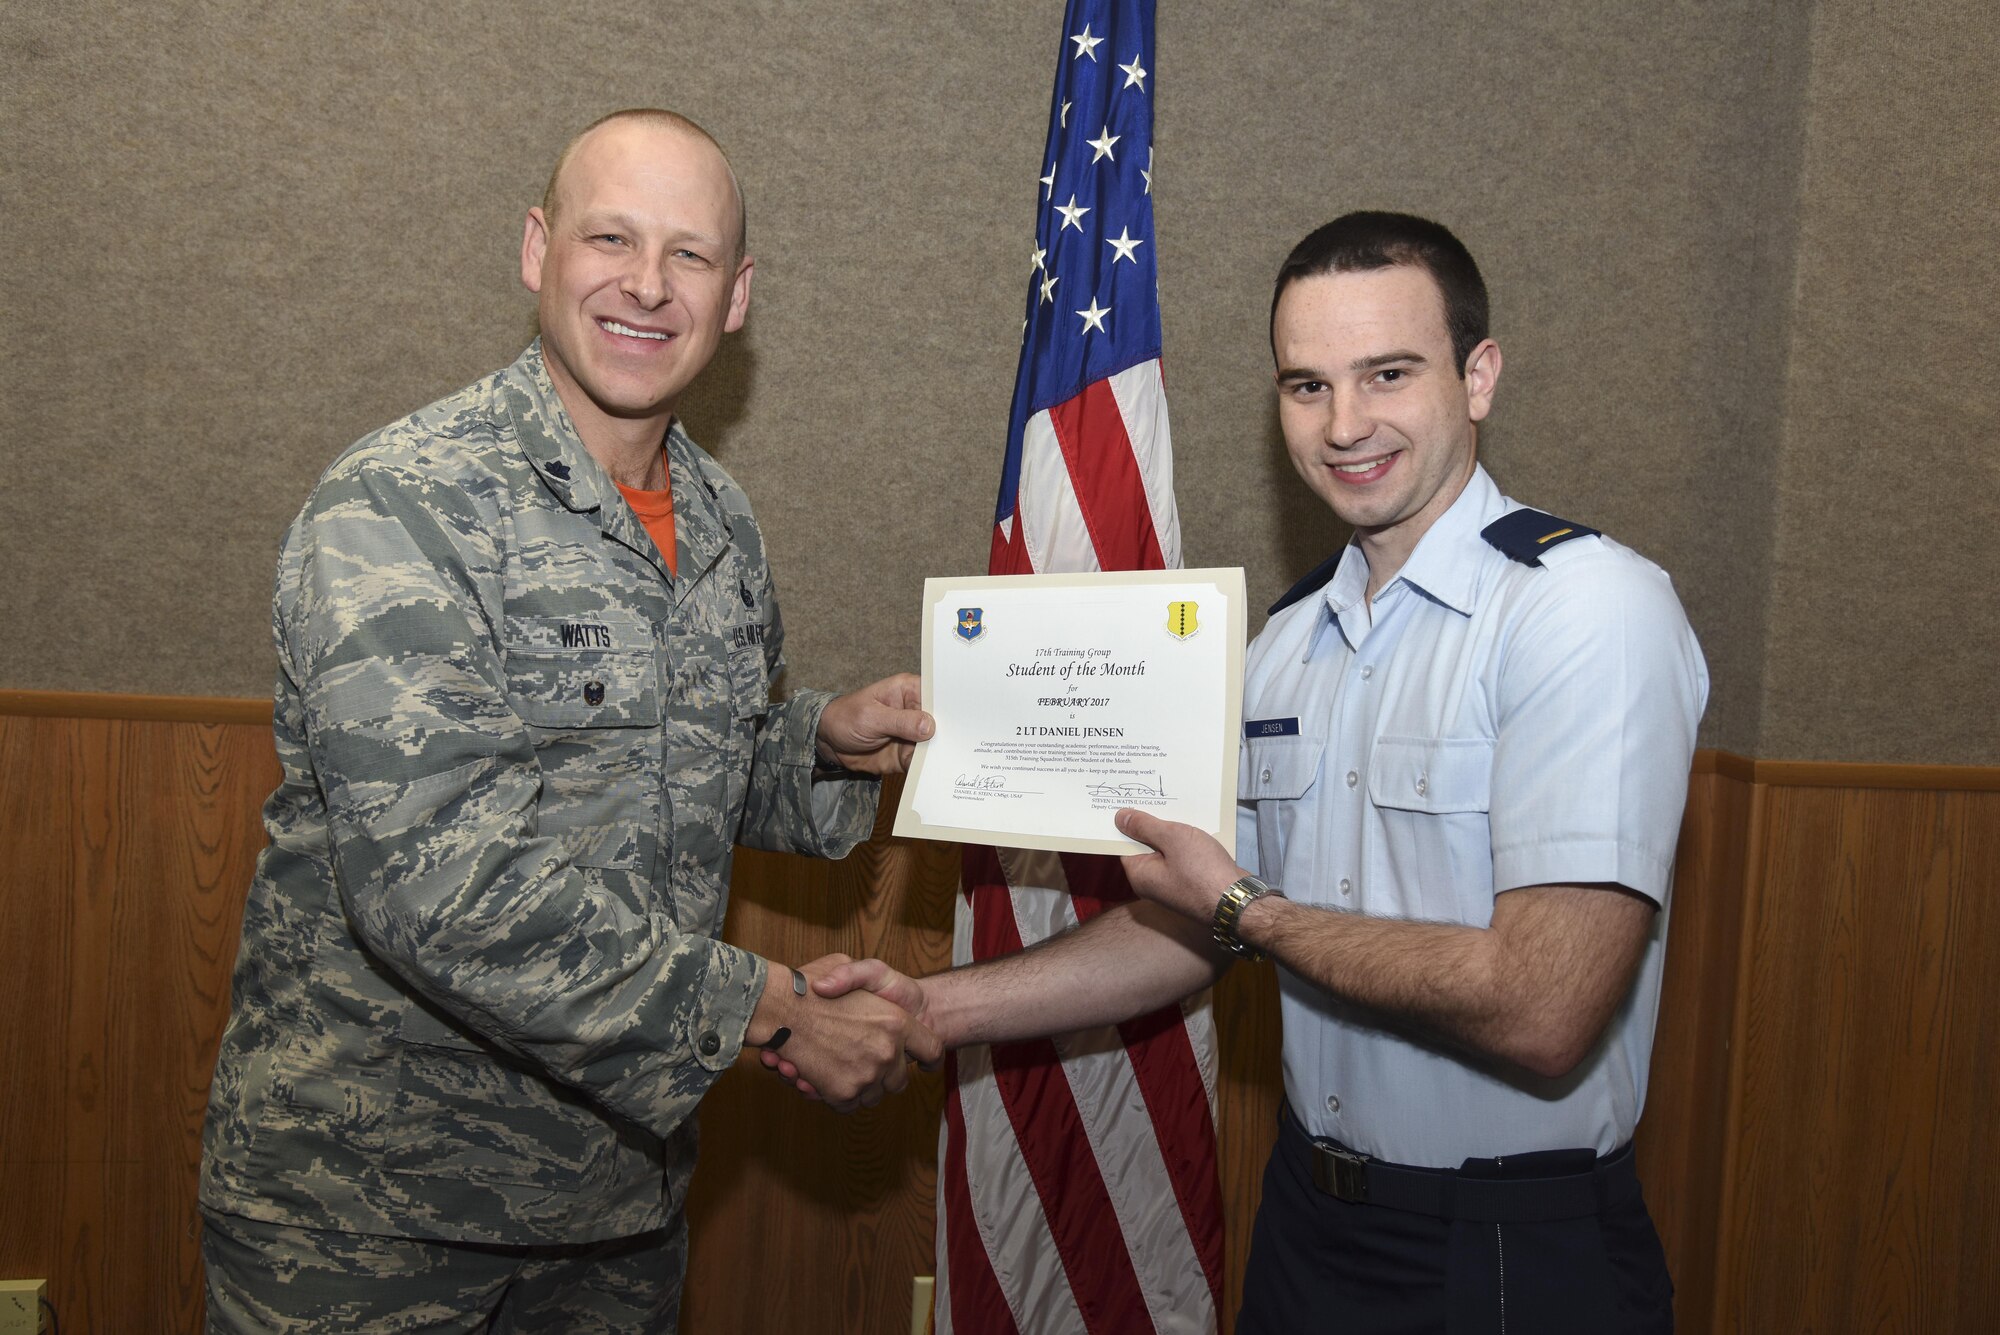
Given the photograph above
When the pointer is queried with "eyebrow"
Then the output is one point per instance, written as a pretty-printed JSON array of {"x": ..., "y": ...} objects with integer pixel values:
[
  {"x": 1380, "y": 359},
  {"x": 1387, "y": 359},
  {"x": 592, "y": 221}
]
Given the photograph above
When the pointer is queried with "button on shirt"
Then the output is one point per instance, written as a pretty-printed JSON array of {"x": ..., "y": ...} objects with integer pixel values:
[{"x": 1486, "y": 726}]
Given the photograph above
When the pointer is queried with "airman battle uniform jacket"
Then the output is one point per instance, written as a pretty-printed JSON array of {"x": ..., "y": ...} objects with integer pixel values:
[{"x": 479, "y": 993}]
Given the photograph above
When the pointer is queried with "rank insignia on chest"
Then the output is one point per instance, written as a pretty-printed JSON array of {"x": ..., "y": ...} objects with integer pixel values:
[
  {"x": 1181, "y": 621},
  {"x": 971, "y": 623}
]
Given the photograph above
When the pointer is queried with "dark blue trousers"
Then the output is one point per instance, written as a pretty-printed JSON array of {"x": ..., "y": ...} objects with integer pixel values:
[{"x": 1321, "y": 1264}]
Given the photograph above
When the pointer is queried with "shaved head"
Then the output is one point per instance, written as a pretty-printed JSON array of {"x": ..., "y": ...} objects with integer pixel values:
[{"x": 552, "y": 194}]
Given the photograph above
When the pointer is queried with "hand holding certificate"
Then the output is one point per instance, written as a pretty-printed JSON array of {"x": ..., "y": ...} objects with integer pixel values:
[{"x": 1061, "y": 698}]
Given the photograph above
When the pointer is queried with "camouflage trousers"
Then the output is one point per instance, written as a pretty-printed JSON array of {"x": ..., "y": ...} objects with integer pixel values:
[{"x": 269, "y": 1277}]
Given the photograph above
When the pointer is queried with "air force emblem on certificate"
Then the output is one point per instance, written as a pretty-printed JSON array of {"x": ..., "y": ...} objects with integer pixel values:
[
  {"x": 971, "y": 623},
  {"x": 1181, "y": 621}
]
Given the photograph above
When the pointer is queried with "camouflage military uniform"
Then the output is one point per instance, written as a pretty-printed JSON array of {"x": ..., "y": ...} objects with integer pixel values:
[{"x": 479, "y": 995}]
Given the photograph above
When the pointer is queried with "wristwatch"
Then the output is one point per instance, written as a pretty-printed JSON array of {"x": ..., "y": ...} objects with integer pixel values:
[{"x": 1229, "y": 909}]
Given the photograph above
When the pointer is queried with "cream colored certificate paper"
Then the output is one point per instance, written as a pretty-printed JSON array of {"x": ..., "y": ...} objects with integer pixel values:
[{"x": 1061, "y": 698}]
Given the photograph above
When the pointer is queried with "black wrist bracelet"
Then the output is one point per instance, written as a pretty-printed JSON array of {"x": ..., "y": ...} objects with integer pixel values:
[{"x": 783, "y": 1032}]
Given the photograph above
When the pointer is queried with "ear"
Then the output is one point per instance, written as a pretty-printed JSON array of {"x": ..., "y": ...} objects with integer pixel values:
[
  {"x": 534, "y": 246},
  {"x": 739, "y": 296},
  {"x": 1482, "y": 374}
]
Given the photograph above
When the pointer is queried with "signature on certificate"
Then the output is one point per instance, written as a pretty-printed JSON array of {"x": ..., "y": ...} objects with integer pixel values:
[
  {"x": 1124, "y": 788},
  {"x": 983, "y": 785}
]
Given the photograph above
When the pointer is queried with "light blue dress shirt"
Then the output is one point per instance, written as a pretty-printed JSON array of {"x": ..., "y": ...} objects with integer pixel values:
[{"x": 1491, "y": 725}]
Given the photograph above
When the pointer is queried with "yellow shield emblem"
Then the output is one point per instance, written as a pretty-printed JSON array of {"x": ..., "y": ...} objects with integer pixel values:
[{"x": 1181, "y": 622}]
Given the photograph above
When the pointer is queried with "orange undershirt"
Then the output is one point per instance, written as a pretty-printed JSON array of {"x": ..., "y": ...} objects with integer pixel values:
[{"x": 656, "y": 511}]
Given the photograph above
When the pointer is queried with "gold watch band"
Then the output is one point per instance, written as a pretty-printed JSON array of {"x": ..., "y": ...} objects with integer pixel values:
[{"x": 1229, "y": 910}]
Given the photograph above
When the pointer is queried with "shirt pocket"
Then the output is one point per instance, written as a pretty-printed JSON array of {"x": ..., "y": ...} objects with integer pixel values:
[
  {"x": 1434, "y": 852},
  {"x": 593, "y": 712},
  {"x": 1437, "y": 775},
  {"x": 1277, "y": 773}
]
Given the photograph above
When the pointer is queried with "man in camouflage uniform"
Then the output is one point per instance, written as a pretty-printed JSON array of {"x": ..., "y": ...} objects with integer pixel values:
[{"x": 479, "y": 993}]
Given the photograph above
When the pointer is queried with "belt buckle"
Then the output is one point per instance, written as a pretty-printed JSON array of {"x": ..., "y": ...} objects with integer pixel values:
[{"x": 1340, "y": 1173}]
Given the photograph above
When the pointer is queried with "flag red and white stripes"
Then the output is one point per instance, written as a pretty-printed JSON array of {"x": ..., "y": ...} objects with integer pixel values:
[{"x": 1077, "y": 1185}]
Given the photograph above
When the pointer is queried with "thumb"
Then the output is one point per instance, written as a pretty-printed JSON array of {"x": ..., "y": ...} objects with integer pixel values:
[
  {"x": 838, "y": 981},
  {"x": 922, "y": 1045},
  {"x": 849, "y": 976},
  {"x": 909, "y": 725},
  {"x": 1143, "y": 826}
]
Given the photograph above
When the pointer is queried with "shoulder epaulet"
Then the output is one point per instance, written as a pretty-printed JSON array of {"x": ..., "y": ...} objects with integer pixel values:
[
  {"x": 1525, "y": 534},
  {"x": 1311, "y": 584}
]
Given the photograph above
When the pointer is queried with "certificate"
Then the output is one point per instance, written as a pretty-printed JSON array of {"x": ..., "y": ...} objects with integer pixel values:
[{"x": 1061, "y": 698}]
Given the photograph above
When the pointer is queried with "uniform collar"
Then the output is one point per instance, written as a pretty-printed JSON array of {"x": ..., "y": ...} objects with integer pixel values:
[
  {"x": 701, "y": 528},
  {"x": 549, "y": 440},
  {"x": 1445, "y": 565}
]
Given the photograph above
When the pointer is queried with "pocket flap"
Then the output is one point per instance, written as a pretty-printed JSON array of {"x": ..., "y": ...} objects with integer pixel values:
[
  {"x": 1278, "y": 767},
  {"x": 1435, "y": 774},
  {"x": 602, "y": 676}
]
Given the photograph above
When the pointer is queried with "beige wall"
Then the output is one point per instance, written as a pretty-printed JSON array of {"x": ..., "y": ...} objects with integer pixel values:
[
  {"x": 1884, "y": 630},
  {"x": 1741, "y": 256}
]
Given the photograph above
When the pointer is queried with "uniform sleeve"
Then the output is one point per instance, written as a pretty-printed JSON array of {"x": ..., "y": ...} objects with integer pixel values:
[
  {"x": 786, "y": 810},
  {"x": 1600, "y": 689},
  {"x": 433, "y": 786}
]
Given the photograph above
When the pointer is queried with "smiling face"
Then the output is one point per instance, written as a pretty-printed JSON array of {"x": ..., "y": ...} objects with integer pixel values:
[
  {"x": 1377, "y": 419},
  {"x": 638, "y": 275}
]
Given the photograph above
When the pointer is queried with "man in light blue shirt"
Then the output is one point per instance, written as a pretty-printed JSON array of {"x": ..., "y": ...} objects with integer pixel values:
[{"x": 1466, "y": 749}]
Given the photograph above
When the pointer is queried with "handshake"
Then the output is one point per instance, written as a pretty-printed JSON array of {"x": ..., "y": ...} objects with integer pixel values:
[{"x": 843, "y": 1031}]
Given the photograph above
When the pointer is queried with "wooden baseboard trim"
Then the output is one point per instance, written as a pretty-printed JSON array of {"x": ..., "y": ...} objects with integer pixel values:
[
  {"x": 137, "y": 708},
  {"x": 1843, "y": 774},
  {"x": 1726, "y": 763}
]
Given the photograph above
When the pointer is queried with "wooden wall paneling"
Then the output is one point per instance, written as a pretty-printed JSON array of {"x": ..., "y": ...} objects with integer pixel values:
[
  {"x": 799, "y": 1215},
  {"x": 132, "y": 845},
  {"x": 35, "y": 886},
  {"x": 1865, "y": 1192},
  {"x": 1249, "y": 1087},
  {"x": 1681, "y": 1143},
  {"x": 204, "y": 836},
  {"x": 1833, "y": 1171}
]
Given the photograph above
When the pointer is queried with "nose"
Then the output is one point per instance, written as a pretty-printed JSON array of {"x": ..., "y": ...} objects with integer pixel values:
[
  {"x": 1347, "y": 421},
  {"x": 645, "y": 281}
]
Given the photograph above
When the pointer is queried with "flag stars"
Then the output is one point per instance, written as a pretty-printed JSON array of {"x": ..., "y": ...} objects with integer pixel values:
[
  {"x": 1093, "y": 317},
  {"x": 1125, "y": 244},
  {"x": 1105, "y": 139},
  {"x": 1134, "y": 75},
  {"x": 1086, "y": 45},
  {"x": 1049, "y": 183},
  {"x": 1040, "y": 259},
  {"x": 1145, "y": 171},
  {"x": 1065, "y": 116},
  {"x": 1072, "y": 216},
  {"x": 1049, "y": 288}
]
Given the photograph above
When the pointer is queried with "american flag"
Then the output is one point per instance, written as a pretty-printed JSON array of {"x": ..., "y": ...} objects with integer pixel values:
[{"x": 1077, "y": 1184}]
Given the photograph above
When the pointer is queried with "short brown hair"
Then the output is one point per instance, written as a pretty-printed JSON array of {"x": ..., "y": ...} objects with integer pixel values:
[{"x": 1359, "y": 241}]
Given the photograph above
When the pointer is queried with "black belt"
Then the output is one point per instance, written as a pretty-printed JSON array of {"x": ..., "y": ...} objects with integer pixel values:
[{"x": 1449, "y": 1193}]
